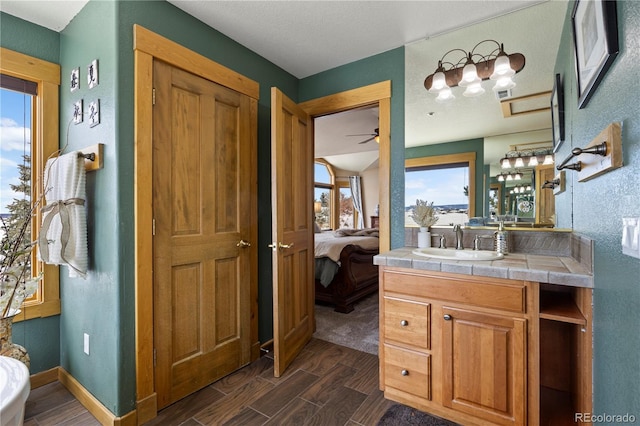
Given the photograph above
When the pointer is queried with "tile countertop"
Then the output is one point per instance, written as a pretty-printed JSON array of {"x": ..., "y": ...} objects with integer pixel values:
[{"x": 562, "y": 270}]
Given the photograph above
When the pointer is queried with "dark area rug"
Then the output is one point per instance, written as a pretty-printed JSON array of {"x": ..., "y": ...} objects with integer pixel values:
[{"x": 401, "y": 415}]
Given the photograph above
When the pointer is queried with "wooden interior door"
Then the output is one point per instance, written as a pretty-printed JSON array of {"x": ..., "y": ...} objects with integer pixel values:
[
  {"x": 292, "y": 229},
  {"x": 484, "y": 365},
  {"x": 203, "y": 157}
]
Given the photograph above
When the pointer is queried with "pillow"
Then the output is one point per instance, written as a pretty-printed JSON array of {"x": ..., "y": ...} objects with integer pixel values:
[{"x": 316, "y": 228}]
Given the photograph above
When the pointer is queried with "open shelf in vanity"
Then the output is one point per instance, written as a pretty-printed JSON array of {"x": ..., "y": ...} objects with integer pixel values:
[{"x": 565, "y": 353}]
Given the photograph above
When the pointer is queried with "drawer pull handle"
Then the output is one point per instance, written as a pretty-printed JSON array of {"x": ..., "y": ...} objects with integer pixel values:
[
  {"x": 405, "y": 372},
  {"x": 447, "y": 317},
  {"x": 404, "y": 323}
]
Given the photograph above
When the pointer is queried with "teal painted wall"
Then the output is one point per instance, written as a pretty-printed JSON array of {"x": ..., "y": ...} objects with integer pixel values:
[
  {"x": 470, "y": 145},
  {"x": 41, "y": 336},
  {"x": 384, "y": 66},
  {"x": 596, "y": 208},
  {"x": 94, "y": 305}
]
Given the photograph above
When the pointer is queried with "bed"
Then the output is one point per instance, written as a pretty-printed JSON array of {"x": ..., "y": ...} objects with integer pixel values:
[{"x": 344, "y": 269}]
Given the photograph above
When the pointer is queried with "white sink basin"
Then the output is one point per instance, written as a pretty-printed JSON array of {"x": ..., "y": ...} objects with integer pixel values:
[{"x": 454, "y": 254}]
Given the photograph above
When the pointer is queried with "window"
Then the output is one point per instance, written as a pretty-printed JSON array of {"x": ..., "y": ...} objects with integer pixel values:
[
  {"x": 347, "y": 212},
  {"x": 324, "y": 204},
  {"x": 44, "y": 80},
  {"x": 447, "y": 181}
]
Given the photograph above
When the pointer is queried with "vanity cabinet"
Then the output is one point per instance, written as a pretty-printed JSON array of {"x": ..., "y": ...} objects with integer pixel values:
[{"x": 468, "y": 348}]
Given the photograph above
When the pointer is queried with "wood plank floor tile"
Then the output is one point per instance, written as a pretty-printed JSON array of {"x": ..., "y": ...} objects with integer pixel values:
[
  {"x": 62, "y": 414},
  {"x": 234, "y": 380},
  {"x": 247, "y": 417},
  {"x": 324, "y": 389},
  {"x": 365, "y": 379},
  {"x": 372, "y": 409},
  {"x": 282, "y": 394},
  {"x": 231, "y": 404},
  {"x": 294, "y": 414},
  {"x": 187, "y": 407},
  {"x": 339, "y": 409},
  {"x": 45, "y": 398}
]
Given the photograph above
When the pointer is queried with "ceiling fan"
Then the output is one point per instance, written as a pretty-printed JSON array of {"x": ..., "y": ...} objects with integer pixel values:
[{"x": 374, "y": 136}]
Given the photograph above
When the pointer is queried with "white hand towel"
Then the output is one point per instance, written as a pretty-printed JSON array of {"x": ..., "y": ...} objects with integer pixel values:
[{"x": 63, "y": 235}]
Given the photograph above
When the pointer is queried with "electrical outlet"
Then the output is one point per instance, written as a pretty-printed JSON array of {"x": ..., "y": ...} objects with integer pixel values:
[
  {"x": 86, "y": 343},
  {"x": 631, "y": 236}
]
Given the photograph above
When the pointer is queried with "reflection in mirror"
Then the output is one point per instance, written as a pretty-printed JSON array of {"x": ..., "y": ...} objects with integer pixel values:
[
  {"x": 446, "y": 180},
  {"x": 483, "y": 118}
]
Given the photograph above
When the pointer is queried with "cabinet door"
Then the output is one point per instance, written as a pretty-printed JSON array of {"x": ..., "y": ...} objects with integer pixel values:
[{"x": 484, "y": 365}]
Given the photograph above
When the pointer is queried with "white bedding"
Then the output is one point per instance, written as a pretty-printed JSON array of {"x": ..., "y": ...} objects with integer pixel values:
[{"x": 328, "y": 245}]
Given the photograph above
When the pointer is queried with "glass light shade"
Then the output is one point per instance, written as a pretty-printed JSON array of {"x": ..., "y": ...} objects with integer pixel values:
[
  {"x": 445, "y": 95},
  {"x": 506, "y": 163},
  {"x": 438, "y": 83},
  {"x": 473, "y": 90},
  {"x": 548, "y": 159},
  {"x": 469, "y": 75},
  {"x": 509, "y": 176},
  {"x": 500, "y": 177},
  {"x": 533, "y": 161},
  {"x": 502, "y": 67},
  {"x": 518, "y": 176},
  {"x": 528, "y": 188},
  {"x": 504, "y": 83},
  {"x": 519, "y": 162}
]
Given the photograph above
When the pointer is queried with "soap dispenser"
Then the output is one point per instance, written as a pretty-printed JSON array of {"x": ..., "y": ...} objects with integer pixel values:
[{"x": 501, "y": 240}]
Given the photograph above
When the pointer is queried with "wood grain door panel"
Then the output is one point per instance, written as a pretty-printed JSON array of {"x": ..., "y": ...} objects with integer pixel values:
[
  {"x": 292, "y": 229},
  {"x": 201, "y": 195},
  {"x": 484, "y": 364}
]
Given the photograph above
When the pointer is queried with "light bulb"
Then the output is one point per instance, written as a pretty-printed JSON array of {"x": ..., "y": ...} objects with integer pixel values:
[
  {"x": 474, "y": 89},
  {"x": 469, "y": 75},
  {"x": 519, "y": 162},
  {"x": 438, "y": 83},
  {"x": 445, "y": 95},
  {"x": 502, "y": 67}
]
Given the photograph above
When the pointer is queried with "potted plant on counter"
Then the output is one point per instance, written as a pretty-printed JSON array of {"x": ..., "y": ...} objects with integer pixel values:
[{"x": 424, "y": 216}]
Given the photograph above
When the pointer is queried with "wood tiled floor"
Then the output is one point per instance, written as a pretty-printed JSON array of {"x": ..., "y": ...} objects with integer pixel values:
[{"x": 327, "y": 384}]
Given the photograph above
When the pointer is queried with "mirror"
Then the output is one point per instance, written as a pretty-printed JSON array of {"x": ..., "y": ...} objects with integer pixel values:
[{"x": 521, "y": 116}]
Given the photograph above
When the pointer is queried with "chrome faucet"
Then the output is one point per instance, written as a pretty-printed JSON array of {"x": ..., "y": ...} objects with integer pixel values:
[{"x": 458, "y": 230}]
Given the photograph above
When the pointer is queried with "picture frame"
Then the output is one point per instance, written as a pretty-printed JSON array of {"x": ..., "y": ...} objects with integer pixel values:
[
  {"x": 557, "y": 113},
  {"x": 595, "y": 40}
]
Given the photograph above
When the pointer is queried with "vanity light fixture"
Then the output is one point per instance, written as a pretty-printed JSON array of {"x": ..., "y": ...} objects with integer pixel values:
[
  {"x": 528, "y": 158},
  {"x": 502, "y": 177},
  {"x": 471, "y": 69}
]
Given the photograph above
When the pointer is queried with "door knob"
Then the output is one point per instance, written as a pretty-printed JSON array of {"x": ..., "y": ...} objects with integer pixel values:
[
  {"x": 285, "y": 246},
  {"x": 447, "y": 317},
  {"x": 404, "y": 323},
  {"x": 405, "y": 372},
  {"x": 243, "y": 244}
]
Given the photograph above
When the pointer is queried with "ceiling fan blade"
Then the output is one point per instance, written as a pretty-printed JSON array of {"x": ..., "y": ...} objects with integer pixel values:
[{"x": 368, "y": 140}]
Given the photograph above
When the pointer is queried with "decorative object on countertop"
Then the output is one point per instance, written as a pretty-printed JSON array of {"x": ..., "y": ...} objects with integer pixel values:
[
  {"x": 7, "y": 347},
  {"x": 501, "y": 240},
  {"x": 424, "y": 215}
]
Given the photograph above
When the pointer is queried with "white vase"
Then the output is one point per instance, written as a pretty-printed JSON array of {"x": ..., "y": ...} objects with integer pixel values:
[{"x": 424, "y": 238}]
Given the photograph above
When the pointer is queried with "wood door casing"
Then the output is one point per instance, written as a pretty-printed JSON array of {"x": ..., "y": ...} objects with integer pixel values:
[
  {"x": 201, "y": 204},
  {"x": 292, "y": 229},
  {"x": 484, "y": 365}
]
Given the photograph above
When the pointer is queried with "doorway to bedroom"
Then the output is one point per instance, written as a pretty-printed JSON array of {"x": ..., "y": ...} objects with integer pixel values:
[{"x": 346, "y": 202}]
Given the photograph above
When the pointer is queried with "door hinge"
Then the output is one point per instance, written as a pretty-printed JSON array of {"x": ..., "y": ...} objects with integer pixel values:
[
  {"x": 153, "y": 227},
  {"x": 153, "y": 96},
  {"x": 155, "y": 357}
]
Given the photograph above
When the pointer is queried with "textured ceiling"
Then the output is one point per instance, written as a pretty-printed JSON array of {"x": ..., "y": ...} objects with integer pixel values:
[{"x": 307, "y": 37}]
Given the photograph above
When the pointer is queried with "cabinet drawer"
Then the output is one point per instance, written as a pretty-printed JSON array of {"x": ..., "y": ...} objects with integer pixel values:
[
  {"x": 407, "y": 370},
  {"x": 407, "y": 322},
  {"x": 498, "y": 293}
]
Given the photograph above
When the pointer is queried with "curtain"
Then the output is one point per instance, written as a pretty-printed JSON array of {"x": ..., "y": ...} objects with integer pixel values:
[{"x": 356, "y": 196}]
